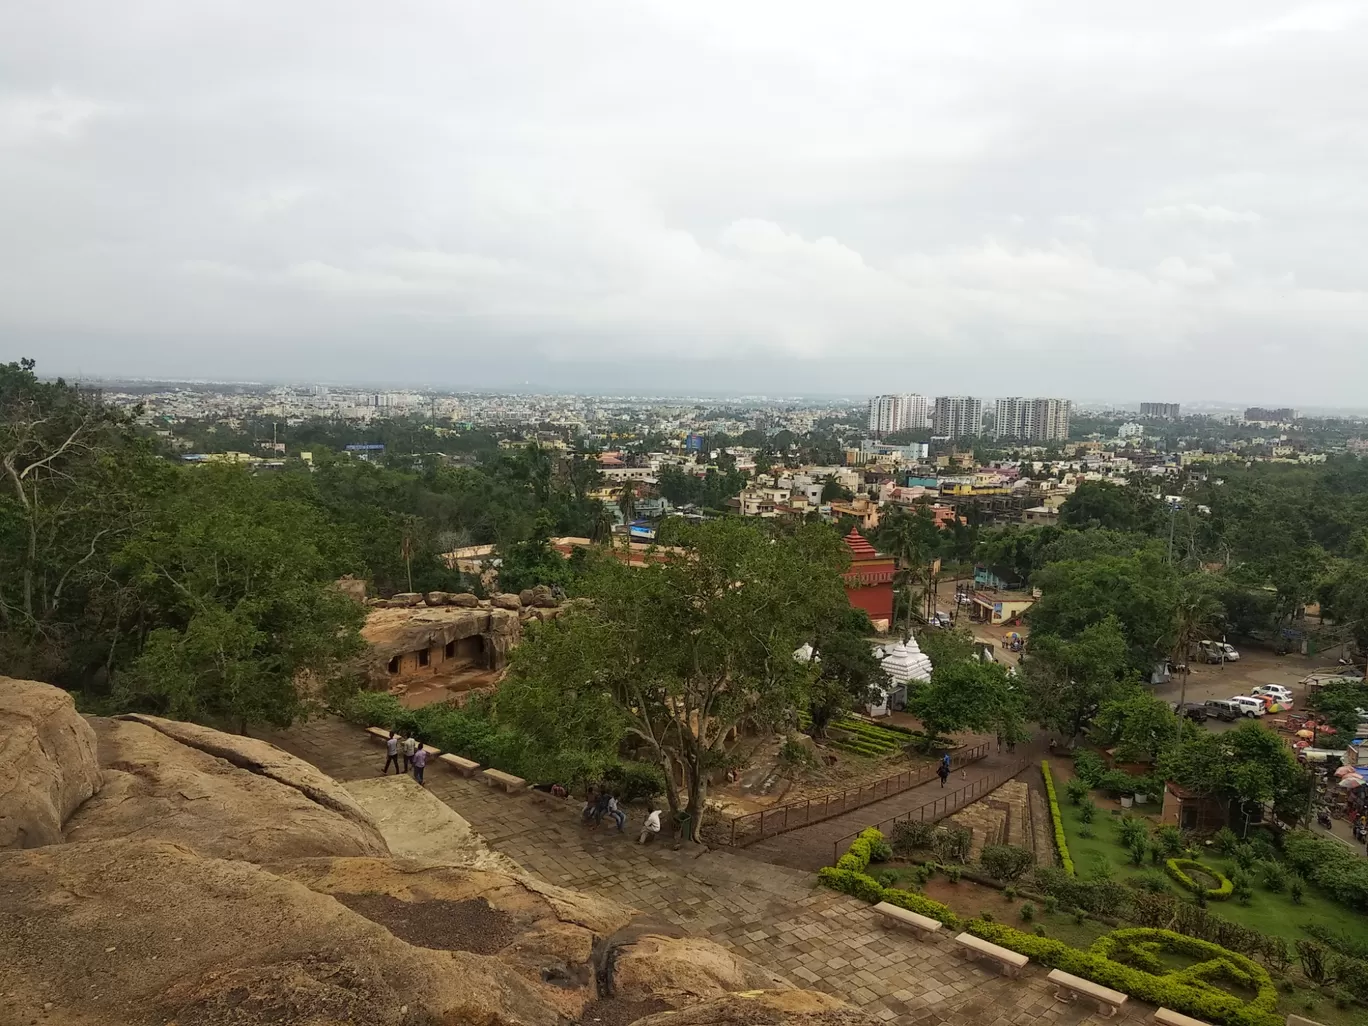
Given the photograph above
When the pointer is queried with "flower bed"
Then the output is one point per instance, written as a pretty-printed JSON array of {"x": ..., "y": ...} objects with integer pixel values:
[
  {"x": 1180, "y": 869},
  {"x": 1061, "y": 842},
  {"x": 1190, "y": 990}
]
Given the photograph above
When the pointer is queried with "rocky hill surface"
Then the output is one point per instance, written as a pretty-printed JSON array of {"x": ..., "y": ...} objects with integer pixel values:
[{"x": 156, "y": 872}]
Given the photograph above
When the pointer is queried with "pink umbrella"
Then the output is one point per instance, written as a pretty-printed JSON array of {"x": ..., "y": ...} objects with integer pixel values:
[
  {"x": 1352, "y": 780},
  {"x": 1344, "y": 771}
]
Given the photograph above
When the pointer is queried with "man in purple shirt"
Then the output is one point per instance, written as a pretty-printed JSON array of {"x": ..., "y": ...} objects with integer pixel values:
[{"x": 419, "y": 761}]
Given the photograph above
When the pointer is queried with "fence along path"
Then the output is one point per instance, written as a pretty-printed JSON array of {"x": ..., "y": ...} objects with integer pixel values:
[
  {"x": 756, "y": 826},
  {"x": 810, "y": 847}
]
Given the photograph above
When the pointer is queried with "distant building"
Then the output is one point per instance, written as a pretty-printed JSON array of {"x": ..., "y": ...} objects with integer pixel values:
[
  {"x": 1130, "y": 430},
  {"x": 869, "y": 581},
  {"x": 1160, "y": 411},
  {"x": 1260, "y": 415},
  {"x": 957, "y": 416},
  {"x": 1032, "y": 420},
  {"x": 890, "y": 413}
]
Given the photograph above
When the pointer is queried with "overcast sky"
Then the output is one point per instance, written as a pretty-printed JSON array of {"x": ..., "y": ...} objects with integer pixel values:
[{"x": 1161, "y": 200}]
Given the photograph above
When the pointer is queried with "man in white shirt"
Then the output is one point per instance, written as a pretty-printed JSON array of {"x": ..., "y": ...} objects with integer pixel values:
[
  {"x": 651, "y": 826},
  {"x": 409, "y": 746},
  {"x": 391, "y": 753}
]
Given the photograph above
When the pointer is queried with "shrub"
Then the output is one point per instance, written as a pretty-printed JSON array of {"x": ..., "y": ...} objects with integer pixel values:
[
  {"x": 1006, "y": 861},
  {"x": 1137, "y": 851},
  {"x": 1296, "y": 890},
  {"x": 1315, "y": 962},
  {"x": 1187, "y": 991},
  {"x": 1103, "y": 897},
  {"x": 952, "y": 844},
  {"x": 880, "y": 851},
  {"x": 1339, "y": 870},
  {"x": 922, "y": 905},
  {"x": 1276, "y": 953},
  {"x": 1338, "y": 940},
  {"x": 910, "y": 837},
  {"x": 1169, "y": 840},
  {"x": 1039, "y": 929},
  {"x": 1009, "y": 893},
  {"x": 1353, "y": 977},
  {"x": 1245, "y": 856},
  {"x": 1275, "y": 876},
  {"x": 1089, "y": 767},
  {"x": 886, "y": 878},
  {"x": 1077, "y": 790},
  {"x": 986, "y": 916},
  {"x": 1099, "y": 868},
  {"x": 1179, "y": 869},
  {"x": 1152, "y": 881},
  {"x": 372, "y": 709},
  {"x": 1225, "y": 840},
  {"x": 1027, "y": 912},
  {"x": 858, "y": 855},
  {"x": 848, "y": 881},
  {"x": 634, "y": 781},
  {"x": 1087, "y": 809},
  {"x": 1080, "y": 917},
  {"x": 952, "y": 873},
  {"x": 1061, "y": 842},
  {"x": 1051, "y": 903},
  {"x": 1131, "y": 831}
]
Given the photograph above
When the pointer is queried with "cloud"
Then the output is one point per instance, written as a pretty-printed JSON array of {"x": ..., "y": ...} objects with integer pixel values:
[
  {"x": 1004, "y": 196},
  {"x": 1206, "y": 215}
]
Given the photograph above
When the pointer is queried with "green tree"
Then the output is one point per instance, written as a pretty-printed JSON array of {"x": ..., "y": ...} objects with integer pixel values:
[
  {"x": 968, "y": 695},
  {"x": 684, "y": 649},
  {"x": 848, "y": 672},
  {"x": 526, "y": 564},
  {"x": 910, "y": 536},
  {"x": 1140, "y": 591},
  {"x": 238, "y": 580},
  {"x": 1067, "y": 681},
  {"x": 1137, "y": 724},
  {"x": 1196, "y": 616},
  {"x": 1339, "y": 702},
  {"x": 1247, "y": 767},
  {"x": 1120, "y": 508},
  {"x": 833, "y": 490}
]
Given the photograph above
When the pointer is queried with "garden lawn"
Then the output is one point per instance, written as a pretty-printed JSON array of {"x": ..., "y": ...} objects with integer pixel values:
[{"x": 1268, "y": 912}]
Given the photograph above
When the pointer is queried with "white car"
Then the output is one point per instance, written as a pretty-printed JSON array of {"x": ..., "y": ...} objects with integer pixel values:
[
  {"x": 1248, "y": 705},
  {"x": 1276, "y": 692}
]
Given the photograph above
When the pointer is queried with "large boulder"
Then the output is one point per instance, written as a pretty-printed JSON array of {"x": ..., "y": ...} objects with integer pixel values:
[
  {"x": 506, "y": 600},
  {"x": 127, "y": 933},
  {"x": 685, "y": 970},
  {"x": 406, "y": 598},
  {"x": 266, "y": 760},
  {"x": 766, "y": 1008},
  {"x": 437, "y": 598},
  {"x": 48, "y": 765},
  {"x": 465, "y": 599},
  {"x": 158, "y": 788}
]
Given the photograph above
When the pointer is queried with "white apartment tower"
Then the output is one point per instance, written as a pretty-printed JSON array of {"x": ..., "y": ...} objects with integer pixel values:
[
  {"x": 889, "y": 413},
  {"x": 1032, "y": 420},
  {"x": 957, "y": 416}
]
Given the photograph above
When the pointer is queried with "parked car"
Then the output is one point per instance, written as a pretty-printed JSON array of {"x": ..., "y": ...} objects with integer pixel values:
[
  {"x": 1248, "y": 705},
  {"x": 1222, "y": 710},
  {"x": 1217, "y": 652},
  {"x": 1279, "y": 694},
  {"x": 1195, "y": 711}
]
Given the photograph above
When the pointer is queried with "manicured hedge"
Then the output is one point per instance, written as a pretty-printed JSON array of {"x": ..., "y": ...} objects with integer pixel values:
[
  {"x": 1177, "y": 868},
  {"x": 848, "y": 876},
  {"x": 1339, "y": 871},
  {"x": 1061, "y": 842},
  {"x": 1185, "y": 990}
]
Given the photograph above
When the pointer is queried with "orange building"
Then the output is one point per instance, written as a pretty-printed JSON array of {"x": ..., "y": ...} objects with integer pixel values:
[{"x": 869, "y": 581}]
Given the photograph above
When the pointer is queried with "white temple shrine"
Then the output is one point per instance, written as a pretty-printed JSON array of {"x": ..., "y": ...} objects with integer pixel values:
[{"x": 906, "y": 664}]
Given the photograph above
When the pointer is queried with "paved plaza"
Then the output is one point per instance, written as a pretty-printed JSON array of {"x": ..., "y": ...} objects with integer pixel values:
[{"x": 773, "y": 914}]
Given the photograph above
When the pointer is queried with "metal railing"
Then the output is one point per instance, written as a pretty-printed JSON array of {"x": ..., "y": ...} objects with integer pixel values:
[
  {"x": 951, "y": 801},
  {"x": 755, "y": 826}
]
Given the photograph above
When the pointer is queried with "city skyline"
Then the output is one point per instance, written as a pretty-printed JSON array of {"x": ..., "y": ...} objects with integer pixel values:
[{"x": 1013, "y": 199}]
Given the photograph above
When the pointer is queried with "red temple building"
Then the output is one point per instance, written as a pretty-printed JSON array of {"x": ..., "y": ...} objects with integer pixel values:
[{"x": 869, "y": 581}]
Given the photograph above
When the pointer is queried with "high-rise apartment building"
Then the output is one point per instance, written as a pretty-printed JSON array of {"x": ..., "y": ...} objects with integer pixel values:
[
  {"x": 957, "y": 416},
  {"x": 1160, "y": 411},
  {"x": 1032, "y": 420},
  {"x": 889, "y": 413},
  {"x": 1260, "y": 415}
]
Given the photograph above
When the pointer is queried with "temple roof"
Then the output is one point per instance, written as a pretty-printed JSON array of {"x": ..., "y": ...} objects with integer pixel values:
[{"x": 859, "y": 548}]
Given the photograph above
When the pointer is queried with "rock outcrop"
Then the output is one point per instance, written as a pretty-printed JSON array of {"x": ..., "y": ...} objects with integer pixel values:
[
  {"x": 217, "y": 881},
  {"x": 160, "y": 788},
  {"x": 48, "y": 764}
]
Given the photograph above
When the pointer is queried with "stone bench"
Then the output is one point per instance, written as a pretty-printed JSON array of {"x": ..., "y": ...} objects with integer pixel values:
[
  {"x": 547, "y": 798},
  {"x": 465, "y": 767},
  {"x": 1010, "y": 962},
  {"x": 433, "y": 753},
  {"x": 498, "y": 778},
  {"x": 1067, "y": 985},
  {"x": 896, "y": 915},
  {"x": 378, "y": 732},
  {"x": 1168, "y": 1017}
]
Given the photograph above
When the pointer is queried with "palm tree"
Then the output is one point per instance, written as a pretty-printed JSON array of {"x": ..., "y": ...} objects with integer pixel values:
[
  {"x": 1194, "y": 617},
  {"x": 626, "y": 501},
  {"x": 601, "y": 530},
  {"x": 906, "y": 540}
]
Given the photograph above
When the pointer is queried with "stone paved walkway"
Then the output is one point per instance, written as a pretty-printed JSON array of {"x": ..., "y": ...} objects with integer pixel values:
[{"x": 775, "y": 915}]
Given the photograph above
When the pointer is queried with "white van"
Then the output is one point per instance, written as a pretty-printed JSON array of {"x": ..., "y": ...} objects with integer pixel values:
[{"x": 1248, "y": 704}]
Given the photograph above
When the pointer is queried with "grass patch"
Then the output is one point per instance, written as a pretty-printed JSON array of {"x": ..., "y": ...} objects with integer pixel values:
[{"x": 1268, "y": 912}]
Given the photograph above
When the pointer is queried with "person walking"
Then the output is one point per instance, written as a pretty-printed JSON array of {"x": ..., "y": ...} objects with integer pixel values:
[
  {"x": 943, "y": 771},
  {"x": 651, "y": 827},
  {"x": 391, "y": 754},
  {"x": 419, "y": 763},
  {"x": 409, "y": 746}
]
